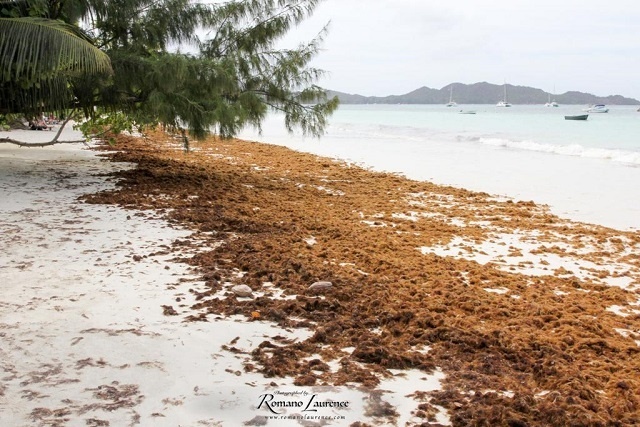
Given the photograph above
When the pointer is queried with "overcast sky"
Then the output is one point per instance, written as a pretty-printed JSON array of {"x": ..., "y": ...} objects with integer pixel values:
[{"x": 385, "y": 47}]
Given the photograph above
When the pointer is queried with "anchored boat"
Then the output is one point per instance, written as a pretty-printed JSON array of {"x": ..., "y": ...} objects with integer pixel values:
[
  {"x": 598, "y": 108},
  {"x": 578, "y": 117}
]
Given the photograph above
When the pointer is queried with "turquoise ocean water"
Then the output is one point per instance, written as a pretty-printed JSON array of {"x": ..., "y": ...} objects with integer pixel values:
[
  {"x": 614, "y": 136},
  {"x": 584, "y": 170}
]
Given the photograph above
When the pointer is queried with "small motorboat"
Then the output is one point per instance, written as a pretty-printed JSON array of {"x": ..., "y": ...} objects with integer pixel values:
[
  {"x": 598, "y": 108},
  {"x": 578, "y": 117},
  {"x": 466, "y": 112}
]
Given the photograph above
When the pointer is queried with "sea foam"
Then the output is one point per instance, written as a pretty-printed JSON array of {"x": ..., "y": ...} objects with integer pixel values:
[{"x": 622, "y": 156}]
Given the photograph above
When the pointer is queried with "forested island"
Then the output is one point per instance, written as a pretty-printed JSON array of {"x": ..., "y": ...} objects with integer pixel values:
[{"x": 483, "y": 93}]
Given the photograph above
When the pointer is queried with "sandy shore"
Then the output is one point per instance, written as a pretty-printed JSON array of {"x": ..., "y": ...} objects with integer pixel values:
[{"x": 446, "y": 306}]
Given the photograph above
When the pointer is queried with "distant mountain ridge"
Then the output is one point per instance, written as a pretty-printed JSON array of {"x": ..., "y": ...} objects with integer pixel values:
[{"x": 483, "y": 93}]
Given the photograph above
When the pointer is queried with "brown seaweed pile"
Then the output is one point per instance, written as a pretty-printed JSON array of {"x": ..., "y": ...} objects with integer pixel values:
[{"x": 543, "y": 351}]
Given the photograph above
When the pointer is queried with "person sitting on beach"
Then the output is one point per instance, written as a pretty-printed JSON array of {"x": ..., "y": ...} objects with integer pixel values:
[
  {"x": 34, "y": 126},
  {"x": 38, "y": 125}
]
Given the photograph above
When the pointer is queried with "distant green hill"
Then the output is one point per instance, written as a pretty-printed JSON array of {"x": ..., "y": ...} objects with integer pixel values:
[{"x": 483, "y": 93}]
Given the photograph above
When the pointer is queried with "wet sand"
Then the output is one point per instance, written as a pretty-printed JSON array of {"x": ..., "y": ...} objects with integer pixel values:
[{"x": 523, "y": 318}]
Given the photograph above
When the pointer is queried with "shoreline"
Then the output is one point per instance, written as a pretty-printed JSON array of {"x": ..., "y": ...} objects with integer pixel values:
[
  {"x": 496, "y": 163},
  {"x": 512, "y": 305}
]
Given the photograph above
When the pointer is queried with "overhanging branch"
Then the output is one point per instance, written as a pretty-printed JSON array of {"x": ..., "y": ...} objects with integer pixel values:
[
  {"x": 38, "y": 144},
  {"x": 47, "y": 143}
]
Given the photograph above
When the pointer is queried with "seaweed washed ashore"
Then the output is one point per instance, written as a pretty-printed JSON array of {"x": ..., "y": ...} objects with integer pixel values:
[{"x": 534, "y": 320}]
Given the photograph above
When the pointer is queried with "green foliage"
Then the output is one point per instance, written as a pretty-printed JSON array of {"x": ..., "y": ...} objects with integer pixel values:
[
  {"x": 106, "y": 125},
  {"x": 230, "y": 80},
  {"x": 5, "y": 121},
  {"x": 41, "y": 55},
  {"x": 28, "y": 45}
]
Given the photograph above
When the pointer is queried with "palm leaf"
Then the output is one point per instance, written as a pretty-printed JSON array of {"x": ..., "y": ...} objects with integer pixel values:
[{"x": 36, "y": 49}]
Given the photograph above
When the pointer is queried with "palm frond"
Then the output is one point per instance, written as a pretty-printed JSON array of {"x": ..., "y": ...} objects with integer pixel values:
[{"x": 33, "y": 49}]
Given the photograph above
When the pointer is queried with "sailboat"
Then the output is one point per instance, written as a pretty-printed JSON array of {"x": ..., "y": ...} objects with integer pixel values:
[
  {"x": 504, "y": 102},
  {"x": 551, "y": 103},
  {"x": 451, "y": 102}
]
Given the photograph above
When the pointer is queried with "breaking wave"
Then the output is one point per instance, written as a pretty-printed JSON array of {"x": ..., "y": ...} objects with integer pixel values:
[{"x": 616, "y": 155}]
